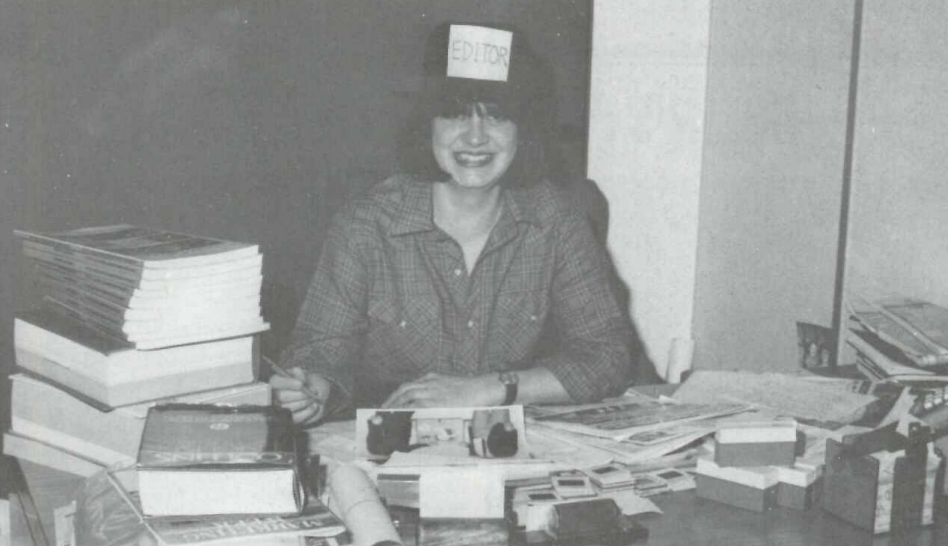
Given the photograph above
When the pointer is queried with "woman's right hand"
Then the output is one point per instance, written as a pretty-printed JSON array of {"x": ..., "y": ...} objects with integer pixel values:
[{"x": 290, "y": 393}]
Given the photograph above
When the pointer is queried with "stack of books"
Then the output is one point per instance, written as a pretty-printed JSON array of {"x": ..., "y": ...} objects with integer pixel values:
[
  {"x": 916, "y": 329},
  {"x": 208, "y": 475},
  {"x": 148, "y": 287},
  {"x": 130, "y": 317}
]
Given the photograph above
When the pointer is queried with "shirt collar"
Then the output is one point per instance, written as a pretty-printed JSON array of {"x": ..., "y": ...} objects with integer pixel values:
[{"x": 415, "y": 212}]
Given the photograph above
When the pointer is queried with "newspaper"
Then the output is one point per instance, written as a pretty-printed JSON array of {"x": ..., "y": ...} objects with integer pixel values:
[{"x": 786, "y": 394}]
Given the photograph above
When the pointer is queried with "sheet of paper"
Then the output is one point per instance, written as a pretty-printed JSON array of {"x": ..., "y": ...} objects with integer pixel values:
[
  {"x": 786, "y": 394},
  {"x": 461, "y": 492},
  {"x": 630, "y": 503},
  {"x": 512, "y": 469}
]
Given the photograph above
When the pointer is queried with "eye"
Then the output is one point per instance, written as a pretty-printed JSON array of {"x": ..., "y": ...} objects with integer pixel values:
[{"x": 496, "y": 120}]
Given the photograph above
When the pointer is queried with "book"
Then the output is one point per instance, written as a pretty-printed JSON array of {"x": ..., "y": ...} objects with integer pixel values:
[
  {"x": 159, "y": 383},
  {"x": 882, "y": 361},
  {"x": 216, "y": 460},
  {"x": 43, "y": 412},
  {"x": 92, "y": 266},
  {"x": 918, "y": 328},
  {"x": 314, "y": 521},
  {"x": 137, "y": 248},
  {"x": 218, "y": 307},
  {"x": 147, "y": 292},
  {"x": 41, "y": 453},
  {"x": 108, "y": 511},
  {"x": 160, "y": 336},
  {"x": 109, "y": 359}
]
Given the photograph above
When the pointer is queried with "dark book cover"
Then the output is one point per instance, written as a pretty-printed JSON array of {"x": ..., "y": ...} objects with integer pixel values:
[{"x": 189, "y": 436}]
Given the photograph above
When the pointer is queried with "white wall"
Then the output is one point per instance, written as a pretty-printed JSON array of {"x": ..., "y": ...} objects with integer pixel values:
[
  {"x": 771, "y": 179},
  {"x": 647, "y": 100}
]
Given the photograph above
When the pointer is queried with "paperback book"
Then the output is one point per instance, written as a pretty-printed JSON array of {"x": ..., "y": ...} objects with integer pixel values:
[{"x": 137, "y": 248}]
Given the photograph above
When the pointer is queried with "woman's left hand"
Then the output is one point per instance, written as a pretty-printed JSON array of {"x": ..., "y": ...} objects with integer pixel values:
[{"x": 435, "y": 390}]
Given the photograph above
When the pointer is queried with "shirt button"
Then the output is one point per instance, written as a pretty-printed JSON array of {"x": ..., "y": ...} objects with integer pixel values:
[
  {"x": 470, "y": 324},
  {"x": 458, "y": 272},
  {"x": 403, "y": 324}
]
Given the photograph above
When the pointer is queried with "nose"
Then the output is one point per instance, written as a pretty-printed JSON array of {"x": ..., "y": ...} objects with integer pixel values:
[{"x": 474, "y": 133}]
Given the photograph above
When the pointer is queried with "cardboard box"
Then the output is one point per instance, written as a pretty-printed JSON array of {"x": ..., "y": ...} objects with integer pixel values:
[
  {"x": 751, "y": 488},
  {"x": 398, "y": 489},
  {"x": 799, "y": 486},
  {"x": 884, "y": 490},
  {"x": 769, "y": 442}
]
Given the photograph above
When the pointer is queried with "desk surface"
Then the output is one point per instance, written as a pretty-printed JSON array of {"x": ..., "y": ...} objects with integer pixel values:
[{"x": 687, "y": 519}]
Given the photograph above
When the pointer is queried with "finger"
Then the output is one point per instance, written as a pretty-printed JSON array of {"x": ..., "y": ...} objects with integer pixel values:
[
  {"x": 306, "y": 415},
  {"x": 298, "y": 373},
  {"x": 286, "y": 383},
  {"x": 397, "y": 394},
  {"x": 299, "y": 405},
  {"x": 406, "y": 395},
  {"x": 285, "y": 395}
]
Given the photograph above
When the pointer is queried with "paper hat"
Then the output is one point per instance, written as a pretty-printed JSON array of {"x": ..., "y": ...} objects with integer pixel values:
[{"x": 466, "y": 62}]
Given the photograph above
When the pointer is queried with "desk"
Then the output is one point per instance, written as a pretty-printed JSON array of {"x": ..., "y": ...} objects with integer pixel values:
[
  {"x": 687, "y": 520},
  {"x": 691, "y": 520}
]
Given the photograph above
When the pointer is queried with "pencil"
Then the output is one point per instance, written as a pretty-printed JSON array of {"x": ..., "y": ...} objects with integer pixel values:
[{"x": 280, "y": 370}]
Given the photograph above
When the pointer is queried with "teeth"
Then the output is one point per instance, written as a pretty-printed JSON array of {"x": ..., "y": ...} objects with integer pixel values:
[{"x": 472, "y": 159}]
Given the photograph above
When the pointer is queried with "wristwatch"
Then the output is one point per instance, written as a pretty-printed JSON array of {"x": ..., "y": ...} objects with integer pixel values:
[{"x": 510, "y": 381}]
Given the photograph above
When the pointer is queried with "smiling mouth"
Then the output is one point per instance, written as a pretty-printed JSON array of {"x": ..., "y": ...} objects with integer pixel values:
[{"x": 472, "y": 160}]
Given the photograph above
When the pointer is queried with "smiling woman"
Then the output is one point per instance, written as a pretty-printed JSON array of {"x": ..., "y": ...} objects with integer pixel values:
[
  {"x": 433, "y": 290},
  {"x": 475, "y": 148}
]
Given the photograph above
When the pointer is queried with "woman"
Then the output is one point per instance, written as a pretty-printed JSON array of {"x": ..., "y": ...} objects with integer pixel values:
[{"x": 433, "y": 290}]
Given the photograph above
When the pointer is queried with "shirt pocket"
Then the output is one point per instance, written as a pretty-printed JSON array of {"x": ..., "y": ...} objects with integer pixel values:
[
  {"x": 403, "y": 335},
  {"x": 518, "y": 322}
]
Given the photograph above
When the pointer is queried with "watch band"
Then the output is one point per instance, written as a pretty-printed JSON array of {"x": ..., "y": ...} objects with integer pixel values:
[{"x": 511, "y": 381}]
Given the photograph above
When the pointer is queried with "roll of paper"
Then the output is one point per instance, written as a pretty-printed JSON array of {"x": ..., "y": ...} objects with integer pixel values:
[
  {"x": 679, "y": 358},
  {"x": 354, "y": 498}
]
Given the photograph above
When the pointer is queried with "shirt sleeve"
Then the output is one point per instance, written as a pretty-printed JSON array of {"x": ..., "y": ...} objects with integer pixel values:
[
  {"x": 594, "y": 359},
  {"x": 332, "y": 320}
]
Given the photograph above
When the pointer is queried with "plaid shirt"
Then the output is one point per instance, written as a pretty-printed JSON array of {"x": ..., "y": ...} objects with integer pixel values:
[{"x": 391, "y": 298}]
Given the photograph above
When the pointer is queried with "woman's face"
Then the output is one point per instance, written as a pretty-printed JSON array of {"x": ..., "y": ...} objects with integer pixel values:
[{"x": 475, "y": 148}]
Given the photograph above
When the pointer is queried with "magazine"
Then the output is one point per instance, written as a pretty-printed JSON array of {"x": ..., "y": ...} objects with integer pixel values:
[{"x": 619, "y": 420}]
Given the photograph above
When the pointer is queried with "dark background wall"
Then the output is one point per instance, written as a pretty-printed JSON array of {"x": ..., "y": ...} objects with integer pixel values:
[{"x": 244, "y": 120}]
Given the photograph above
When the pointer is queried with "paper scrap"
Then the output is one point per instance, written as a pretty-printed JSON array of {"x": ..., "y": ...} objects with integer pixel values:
[{"x": 461, "y": 493}]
